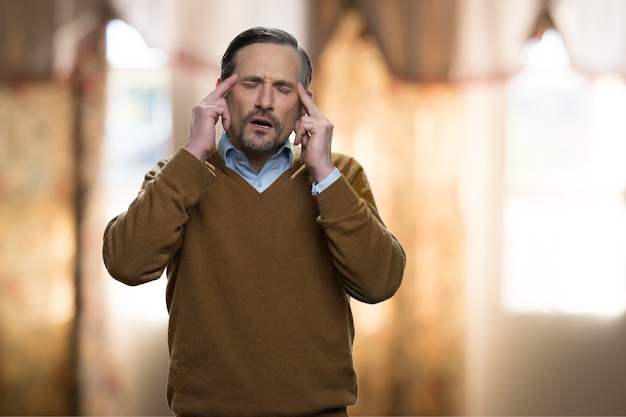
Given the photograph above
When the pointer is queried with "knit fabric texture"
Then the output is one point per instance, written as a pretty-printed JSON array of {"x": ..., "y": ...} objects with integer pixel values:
[{"x": 259, "y": 284}]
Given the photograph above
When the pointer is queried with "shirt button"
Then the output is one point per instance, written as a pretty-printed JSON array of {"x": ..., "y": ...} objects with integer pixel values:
[{"x": 259, "y": 184}]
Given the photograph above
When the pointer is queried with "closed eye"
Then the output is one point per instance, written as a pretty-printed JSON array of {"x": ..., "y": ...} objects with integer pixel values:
[
  {"x": 284, "y": 89},
  {"x": 281, "y": 86},
  {"x": 250, "y": 84}
]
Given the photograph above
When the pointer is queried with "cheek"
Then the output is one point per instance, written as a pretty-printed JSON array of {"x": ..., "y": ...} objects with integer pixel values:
[
  {"x": 234, "y": 110},
  {"x": 289, "y": 122},
  {"x": 293, "y": 114}
]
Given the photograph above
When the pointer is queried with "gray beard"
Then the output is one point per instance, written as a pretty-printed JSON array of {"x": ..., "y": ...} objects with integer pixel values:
[{"x": 260, "y": 144}]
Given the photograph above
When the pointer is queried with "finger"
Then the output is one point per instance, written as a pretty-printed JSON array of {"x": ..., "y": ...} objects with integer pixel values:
[
  {"x": 300, "y": 133},
  {"x": 301, "y": 140},
  {"x": 226, "y": 119},
  {"x": 224, "y": 87},
  {"x": 309, "y": 106}
]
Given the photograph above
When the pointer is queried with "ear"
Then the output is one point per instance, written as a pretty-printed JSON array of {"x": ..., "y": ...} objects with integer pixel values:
[{"x": 218, "y": 82}]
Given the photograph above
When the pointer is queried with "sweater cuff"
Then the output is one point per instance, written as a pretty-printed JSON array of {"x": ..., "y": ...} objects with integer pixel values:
[
  {"x": 338, "y": 198},
  {"x": 317, "y": 188}
]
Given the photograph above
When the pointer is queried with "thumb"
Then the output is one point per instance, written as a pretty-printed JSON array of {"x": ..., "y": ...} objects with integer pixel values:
[
  {"x": 226, "y": 119},
  {"x": 300, "y": 133}
]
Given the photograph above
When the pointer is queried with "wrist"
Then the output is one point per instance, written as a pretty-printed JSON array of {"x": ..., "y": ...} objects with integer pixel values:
[
  {"x": 318, "y": 187},
  {"x": 322, "y": 173},
  {"x": 200, "y": 153}
]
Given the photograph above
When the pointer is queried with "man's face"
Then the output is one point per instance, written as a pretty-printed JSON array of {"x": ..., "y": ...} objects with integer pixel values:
[{"x": 264, "y": 103}]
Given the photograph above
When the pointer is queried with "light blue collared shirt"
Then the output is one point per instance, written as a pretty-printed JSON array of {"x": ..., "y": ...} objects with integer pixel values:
[{"x": 273, "y": 168}]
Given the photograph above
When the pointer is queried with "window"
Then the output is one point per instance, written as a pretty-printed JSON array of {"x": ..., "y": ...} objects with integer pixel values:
[
  {"x": 565, "y": 176},
  {"x": 138, "y": 130}
]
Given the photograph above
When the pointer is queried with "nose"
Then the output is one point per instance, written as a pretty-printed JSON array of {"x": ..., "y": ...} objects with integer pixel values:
[{"x": 265, "y": 98}]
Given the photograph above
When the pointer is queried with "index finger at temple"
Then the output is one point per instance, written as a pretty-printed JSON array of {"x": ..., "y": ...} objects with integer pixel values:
[
  {"x": 307, "y": 102},
  {"x": 225, "y": 86}
]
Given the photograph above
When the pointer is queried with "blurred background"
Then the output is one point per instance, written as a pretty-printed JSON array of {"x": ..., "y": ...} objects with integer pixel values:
[{"x": 493, "y": 133}]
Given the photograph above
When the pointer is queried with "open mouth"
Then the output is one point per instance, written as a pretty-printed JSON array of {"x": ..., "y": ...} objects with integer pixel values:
[{"x": 261, "y": 122}]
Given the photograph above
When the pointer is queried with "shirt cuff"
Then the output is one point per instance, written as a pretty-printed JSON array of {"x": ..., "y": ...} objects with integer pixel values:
[{"x": 318, "y": 187}]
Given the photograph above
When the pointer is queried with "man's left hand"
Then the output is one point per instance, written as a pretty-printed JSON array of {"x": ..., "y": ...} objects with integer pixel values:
[{"x": 315, "y": 133}]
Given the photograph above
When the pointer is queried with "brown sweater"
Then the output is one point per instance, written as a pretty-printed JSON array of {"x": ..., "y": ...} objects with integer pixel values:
[{"x": 258, "y": 283}]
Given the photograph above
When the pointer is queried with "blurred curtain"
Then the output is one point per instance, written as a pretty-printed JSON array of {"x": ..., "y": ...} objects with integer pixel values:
[
  {"x": 421, "y": 40},
  {"x": 468, "y": 40},
  {"x": 52, "y": 83},
  {"x": 413, "y": 87},
  {"x": 594, "y": 33},
  {"x": 37, "y": 249},
  {"x": 408, "y": 350},
  {"x": 402, "y": 80},
  {"x": 416, "y": 38}
]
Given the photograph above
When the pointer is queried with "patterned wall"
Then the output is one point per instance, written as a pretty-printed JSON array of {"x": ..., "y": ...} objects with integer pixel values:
[
  {"x": 52, "y": 357},
  {"x": 37, "y": 248}
]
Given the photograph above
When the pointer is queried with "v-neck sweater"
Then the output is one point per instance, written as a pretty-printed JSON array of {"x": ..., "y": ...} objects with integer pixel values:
[{"x": 258, "y": 283}]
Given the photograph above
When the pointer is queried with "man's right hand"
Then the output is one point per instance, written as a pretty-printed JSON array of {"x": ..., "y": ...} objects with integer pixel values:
[{"x": 205, "y": 115}]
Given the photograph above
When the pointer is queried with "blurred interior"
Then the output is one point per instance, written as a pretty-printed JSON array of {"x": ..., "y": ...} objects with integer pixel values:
[{"x": 493, "y": 133}]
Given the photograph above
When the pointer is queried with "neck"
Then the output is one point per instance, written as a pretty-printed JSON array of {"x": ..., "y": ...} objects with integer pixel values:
[
  {"x": 257, "y": 156},
  {"x": 258, "y": 159}
]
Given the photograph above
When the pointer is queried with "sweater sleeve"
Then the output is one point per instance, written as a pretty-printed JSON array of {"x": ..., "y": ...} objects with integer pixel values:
[
  {"x": 139, "y": 243},
  {"x": 369, "y": 258}
]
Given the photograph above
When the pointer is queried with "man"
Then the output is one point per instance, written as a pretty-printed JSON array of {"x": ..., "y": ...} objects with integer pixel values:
[{"x": 264, "y": 242}]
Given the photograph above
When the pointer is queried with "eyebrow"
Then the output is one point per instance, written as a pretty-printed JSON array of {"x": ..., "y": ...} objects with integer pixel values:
[{"x": 279, "y": 83}]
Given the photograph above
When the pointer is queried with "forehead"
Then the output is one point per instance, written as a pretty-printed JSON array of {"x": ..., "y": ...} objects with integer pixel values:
[{"x": 269, "y": 61}]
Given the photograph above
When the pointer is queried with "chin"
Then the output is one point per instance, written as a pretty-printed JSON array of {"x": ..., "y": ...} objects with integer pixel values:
[{"x": 259, "y": 146}]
